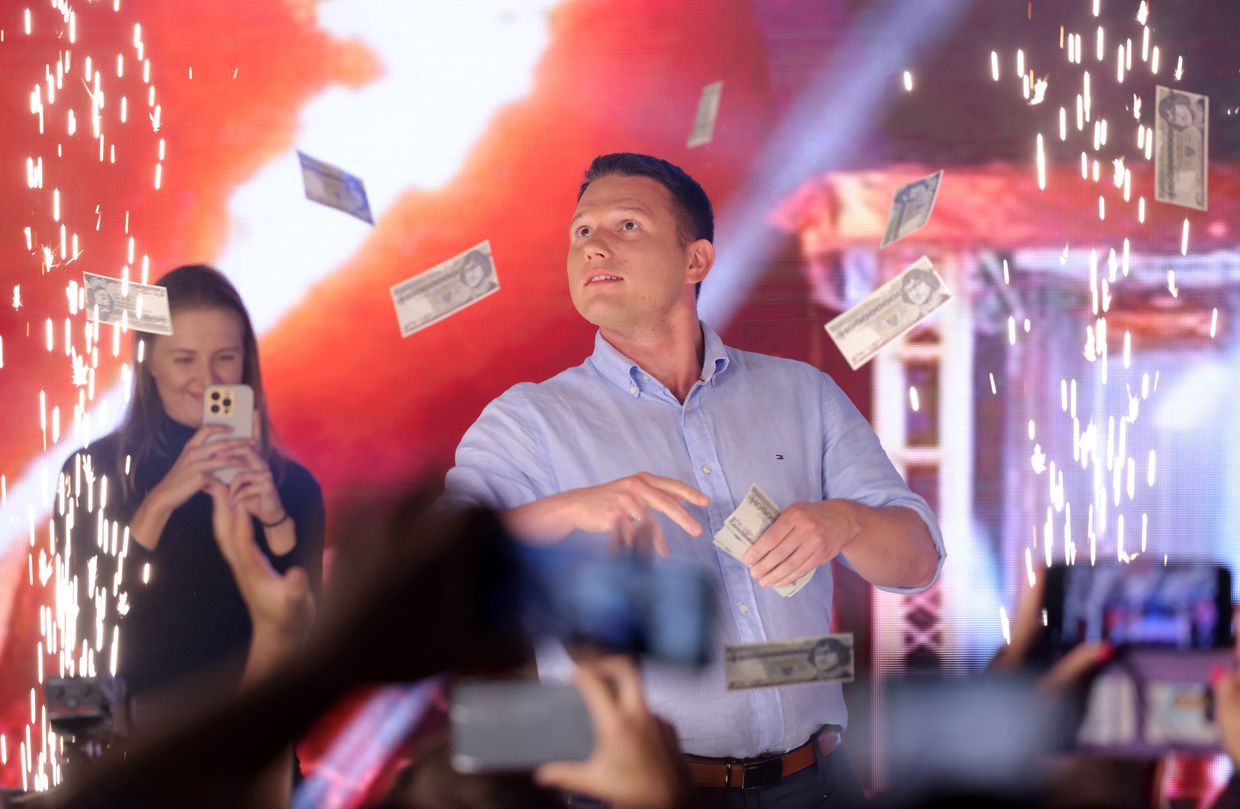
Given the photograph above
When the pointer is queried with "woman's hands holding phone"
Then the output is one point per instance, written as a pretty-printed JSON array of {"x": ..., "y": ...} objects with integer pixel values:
[
  {"x": 193, "y": 470},
  {"x": 198, "y": 461}
]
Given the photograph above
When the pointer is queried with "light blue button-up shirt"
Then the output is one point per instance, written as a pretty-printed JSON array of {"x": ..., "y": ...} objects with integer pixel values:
[{"x": 752, "y": 418}]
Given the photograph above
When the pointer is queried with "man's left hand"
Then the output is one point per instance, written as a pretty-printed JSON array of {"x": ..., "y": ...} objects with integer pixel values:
[{"x": 805, "y": 536}]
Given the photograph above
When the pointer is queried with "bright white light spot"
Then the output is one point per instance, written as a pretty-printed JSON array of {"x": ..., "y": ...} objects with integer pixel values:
[{"x": 352, "y": 127}]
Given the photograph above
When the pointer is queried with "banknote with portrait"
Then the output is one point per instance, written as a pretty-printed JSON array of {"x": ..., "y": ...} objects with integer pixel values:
[
  {"x": 1181, "y": 148},
  {"x": 823, "y": 659},
  {"x": 889, "y": 312},
  {"x": 445, "y": 289},
  {"x": 142, "y": 307}
]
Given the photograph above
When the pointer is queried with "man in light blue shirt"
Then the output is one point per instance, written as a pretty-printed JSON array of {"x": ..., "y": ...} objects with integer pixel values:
[{"x": 664, "y": 418}]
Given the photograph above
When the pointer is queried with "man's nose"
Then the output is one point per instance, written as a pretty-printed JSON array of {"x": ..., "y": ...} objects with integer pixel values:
[{"x": 595, "y": 247}]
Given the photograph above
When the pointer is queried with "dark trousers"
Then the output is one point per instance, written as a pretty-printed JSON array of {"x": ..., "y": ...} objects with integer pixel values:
[{"x": 830, "y": 784}]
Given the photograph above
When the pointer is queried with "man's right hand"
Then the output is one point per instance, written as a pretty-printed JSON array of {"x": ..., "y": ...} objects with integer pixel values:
[
  {"x": 1227, "y": 706},
  {"x": 599, "y": 509}
]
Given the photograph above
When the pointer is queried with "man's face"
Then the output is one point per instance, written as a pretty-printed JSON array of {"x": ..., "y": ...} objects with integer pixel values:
[
  {"x": 918, "y": 291},
  {"x": 916, "y": 194},
  {"x": 825, "y": 658},
  {"x": 626, "y": 267},
  {"x": 1181, "y": 115},
  {"x": 99, "y": 297},
  {"x": 473, "y": 272}
]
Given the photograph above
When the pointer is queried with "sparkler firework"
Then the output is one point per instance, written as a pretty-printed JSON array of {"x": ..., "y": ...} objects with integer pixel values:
[
  {"x": 1110, "y": 464},
  {"x": 79, "y": 112}
]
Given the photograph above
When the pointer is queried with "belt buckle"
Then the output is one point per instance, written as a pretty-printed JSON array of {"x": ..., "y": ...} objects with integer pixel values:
[{"x": 758, "y": 774}]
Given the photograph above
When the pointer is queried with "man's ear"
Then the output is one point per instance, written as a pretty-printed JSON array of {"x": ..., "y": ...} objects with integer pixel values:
[{"x": 701, "y": 258}]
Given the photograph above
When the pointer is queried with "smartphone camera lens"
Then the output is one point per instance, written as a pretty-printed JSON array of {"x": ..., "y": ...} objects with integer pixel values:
[
  {"x": 215, "y": 408},
  {"x": 228, "y": 403},
  {"x": 215, "y": 395}
]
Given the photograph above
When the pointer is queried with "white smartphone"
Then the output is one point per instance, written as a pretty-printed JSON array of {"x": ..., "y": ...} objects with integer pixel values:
[
  {"x": 515, "y": 725},
  {"x": 232, "y": 405}
]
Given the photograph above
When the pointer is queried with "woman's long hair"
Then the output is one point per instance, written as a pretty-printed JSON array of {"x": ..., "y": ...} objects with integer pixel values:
[{"x": 191, "y": 287}]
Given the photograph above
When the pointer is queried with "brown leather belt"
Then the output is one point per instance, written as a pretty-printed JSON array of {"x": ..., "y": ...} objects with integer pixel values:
[{"x": 752, "y": 773}]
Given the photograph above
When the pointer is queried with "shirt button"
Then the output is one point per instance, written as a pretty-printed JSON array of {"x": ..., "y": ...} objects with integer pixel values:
[
  {"x": 706, "y": 470},
  {"x": 744, "y": 608},
  {"x": 633, "y": 389}
]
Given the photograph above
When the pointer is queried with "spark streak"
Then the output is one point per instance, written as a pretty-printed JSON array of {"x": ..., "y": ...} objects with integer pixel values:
[{"x": 1041, "y": 163}]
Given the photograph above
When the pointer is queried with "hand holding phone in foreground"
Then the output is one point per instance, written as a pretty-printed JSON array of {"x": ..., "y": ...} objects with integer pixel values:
[
  {"x": 1068, "y": 672},
  {"x": 637, "y": 762},
  {"x": 1227, "y": 708}
]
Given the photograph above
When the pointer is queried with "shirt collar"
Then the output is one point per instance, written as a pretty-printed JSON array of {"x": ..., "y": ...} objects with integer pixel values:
[{"x": 623, "y": 372}]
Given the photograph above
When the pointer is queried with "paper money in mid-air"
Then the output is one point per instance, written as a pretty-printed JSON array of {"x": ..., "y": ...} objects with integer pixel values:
[
  {"x": 911, "y": 207},
  {"x": 826, "y": 659},
  {"x": 143, "y": 307},
  {"x": 1181, "y": 151},
  {"x": 890, "y": 311},
  {"x": 746, "y": 524},
  {"x": 707, "y": 112},
  {"x": 334, "y": 188},
  {"x": 446, "y": 289}
]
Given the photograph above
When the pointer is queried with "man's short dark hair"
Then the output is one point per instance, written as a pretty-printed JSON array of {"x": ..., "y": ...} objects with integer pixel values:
[{"x": 694, "y": 217}]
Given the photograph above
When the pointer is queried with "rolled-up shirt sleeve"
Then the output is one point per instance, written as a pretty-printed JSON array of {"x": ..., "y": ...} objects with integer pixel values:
[
  {"x": 501, "y": 461},
  {"x": 855, "y": 467}
]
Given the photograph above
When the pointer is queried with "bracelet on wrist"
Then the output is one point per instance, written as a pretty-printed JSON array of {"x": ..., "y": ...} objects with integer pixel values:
[{"x": 277, "y": 523}]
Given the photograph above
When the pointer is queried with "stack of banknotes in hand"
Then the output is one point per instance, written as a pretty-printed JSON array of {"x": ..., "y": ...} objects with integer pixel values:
[{"x": 744, "y": 527}]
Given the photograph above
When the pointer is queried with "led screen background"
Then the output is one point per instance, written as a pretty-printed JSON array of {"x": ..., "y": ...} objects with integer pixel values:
[{"x": 474, "y": 120}]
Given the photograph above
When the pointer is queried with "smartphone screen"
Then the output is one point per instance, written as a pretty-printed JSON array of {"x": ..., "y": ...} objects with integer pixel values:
[{"x": 1182, "y": 606}]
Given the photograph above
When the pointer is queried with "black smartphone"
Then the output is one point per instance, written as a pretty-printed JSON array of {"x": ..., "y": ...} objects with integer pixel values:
[
  {"x": 630, "y": 604},
  {"x": 1183, "y": 605}
]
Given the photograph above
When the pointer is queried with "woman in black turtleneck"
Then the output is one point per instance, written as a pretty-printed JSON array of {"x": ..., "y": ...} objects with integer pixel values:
[{"x": 186, "y": 614}]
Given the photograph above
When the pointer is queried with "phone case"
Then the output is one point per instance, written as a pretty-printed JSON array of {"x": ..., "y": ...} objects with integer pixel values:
[
  {"x": 232, "y": 405},
  {"x": 515, "y": 725}
]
